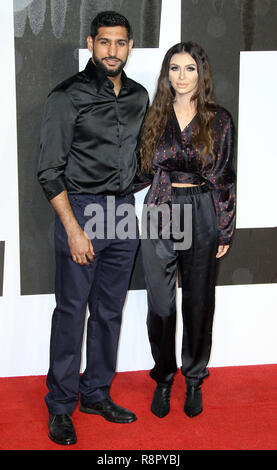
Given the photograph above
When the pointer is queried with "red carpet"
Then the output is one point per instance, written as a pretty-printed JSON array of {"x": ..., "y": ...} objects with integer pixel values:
[{"x": 240, "y": 413}]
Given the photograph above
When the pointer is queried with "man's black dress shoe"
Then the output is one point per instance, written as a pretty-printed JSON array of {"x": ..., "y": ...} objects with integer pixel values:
[
  {"x": 161, "y": 399},
  {"x": 61, "y": 429},
  {"x": 193, "y": 403},
  {"x": 109, "y": 410}
]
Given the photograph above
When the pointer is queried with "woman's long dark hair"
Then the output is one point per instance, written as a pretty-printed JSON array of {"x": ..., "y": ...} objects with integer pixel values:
[{"x": 158, "y": 114}]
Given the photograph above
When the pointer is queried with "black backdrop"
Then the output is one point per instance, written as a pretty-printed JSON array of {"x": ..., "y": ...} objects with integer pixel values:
[{"x": 48, "y": 35}]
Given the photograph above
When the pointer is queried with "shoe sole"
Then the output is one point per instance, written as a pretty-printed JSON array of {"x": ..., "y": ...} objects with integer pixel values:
[
  {"x": 83, "y": 409},
  {"x": 62, "y": 443}
]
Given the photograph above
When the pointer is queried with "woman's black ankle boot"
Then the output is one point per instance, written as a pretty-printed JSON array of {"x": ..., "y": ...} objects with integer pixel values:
[
  {"x": 193, "y": 403},
  {"x": 161, "y": 400}
]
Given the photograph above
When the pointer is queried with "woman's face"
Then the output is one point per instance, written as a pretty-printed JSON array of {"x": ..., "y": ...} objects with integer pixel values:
[{"x": 183, "y": 73}]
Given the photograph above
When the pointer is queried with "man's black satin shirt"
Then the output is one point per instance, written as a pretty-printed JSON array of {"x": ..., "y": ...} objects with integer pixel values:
[{"x": 89, "y": 135}]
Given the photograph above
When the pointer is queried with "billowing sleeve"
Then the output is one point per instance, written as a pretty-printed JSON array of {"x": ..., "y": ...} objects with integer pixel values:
[
  {"x": 222, "y": 177},
  {"x": 56, "y": 136}
]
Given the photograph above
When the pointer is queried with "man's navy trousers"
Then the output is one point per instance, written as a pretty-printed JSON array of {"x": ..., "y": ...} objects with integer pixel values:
[{"x": 101, "y": 286}]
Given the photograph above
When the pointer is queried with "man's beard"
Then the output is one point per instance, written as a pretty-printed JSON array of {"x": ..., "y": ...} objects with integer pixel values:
[{"x": 106, "y": 70}]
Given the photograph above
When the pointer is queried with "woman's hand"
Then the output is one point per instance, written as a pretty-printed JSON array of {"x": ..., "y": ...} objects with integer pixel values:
[{"x": 222, "y": 250}]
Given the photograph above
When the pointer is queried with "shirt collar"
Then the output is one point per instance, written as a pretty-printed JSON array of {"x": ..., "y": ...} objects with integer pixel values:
[{"x": 96, "y": 74}]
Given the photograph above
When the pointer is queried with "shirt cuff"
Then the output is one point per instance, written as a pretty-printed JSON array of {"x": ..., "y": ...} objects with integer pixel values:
[{"x": 53, "y": 188}]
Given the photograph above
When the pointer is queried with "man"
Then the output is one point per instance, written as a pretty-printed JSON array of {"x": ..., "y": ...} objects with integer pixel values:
[{"x": 88, "y": 141}]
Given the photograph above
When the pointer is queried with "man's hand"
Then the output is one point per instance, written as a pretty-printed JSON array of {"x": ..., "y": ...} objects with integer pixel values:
[
  {"x": 222, "y": 250},
  {"x": 80, "y": 247}
]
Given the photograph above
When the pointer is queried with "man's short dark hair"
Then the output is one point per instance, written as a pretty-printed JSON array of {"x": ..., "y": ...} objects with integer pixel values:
[{"x": 110, "y": 18}]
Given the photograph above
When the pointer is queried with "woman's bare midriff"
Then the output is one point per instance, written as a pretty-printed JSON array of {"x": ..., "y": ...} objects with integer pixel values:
[{"x": 183, "y": 185}]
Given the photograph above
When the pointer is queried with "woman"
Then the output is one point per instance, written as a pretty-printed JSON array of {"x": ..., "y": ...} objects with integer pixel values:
[{"x": 187, "y": 144}]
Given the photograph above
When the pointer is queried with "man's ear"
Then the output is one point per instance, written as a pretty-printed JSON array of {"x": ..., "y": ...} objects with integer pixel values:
[
  {"x": 130, "y": 44},
  {"x": 90, "y": 43}
]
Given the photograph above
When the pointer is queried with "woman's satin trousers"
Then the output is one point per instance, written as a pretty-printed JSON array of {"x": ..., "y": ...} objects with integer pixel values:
[{"x": 162, "y": 259}]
